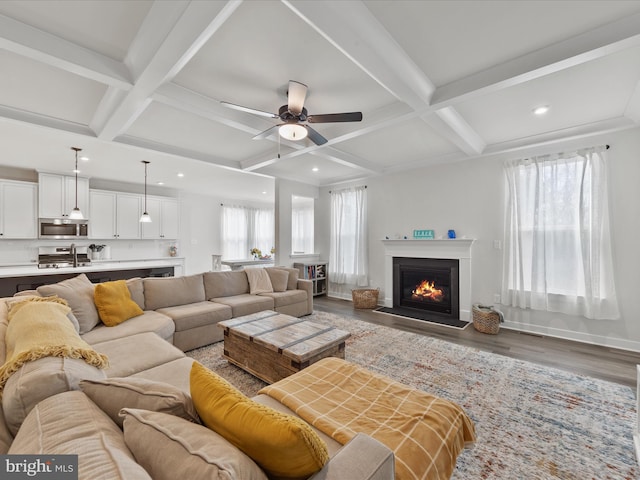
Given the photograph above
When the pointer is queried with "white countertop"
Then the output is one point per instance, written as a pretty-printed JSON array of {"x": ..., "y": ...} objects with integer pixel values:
[{"x": 25, "y": 270}]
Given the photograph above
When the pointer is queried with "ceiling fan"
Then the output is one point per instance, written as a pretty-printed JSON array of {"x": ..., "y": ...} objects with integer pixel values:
[{"x": 293, "y": 114}]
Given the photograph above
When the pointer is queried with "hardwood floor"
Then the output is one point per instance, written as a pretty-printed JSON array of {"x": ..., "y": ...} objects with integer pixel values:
[{"x": 601, "y": 362}]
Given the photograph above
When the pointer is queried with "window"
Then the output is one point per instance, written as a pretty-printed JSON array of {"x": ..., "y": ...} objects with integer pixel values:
[
  {"x": 302, "y": 232},
  {"x": 557, "y": 243},
  {"x": 245, "y": 228},
  {"x": 348, "y": 254}
]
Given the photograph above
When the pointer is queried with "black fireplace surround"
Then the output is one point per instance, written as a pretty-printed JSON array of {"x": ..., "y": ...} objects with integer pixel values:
[{"x": 429, "y": 286}]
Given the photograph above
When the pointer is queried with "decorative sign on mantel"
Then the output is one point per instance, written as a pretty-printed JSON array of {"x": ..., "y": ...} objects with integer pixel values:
[{"x": 424, "y": 234}]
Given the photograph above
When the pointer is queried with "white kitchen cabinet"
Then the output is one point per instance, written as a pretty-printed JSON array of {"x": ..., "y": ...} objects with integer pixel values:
[
  {"x": 57, "y": 195},
  {"x": 164, "y": 218},
  {"x": 114, "y": 215},
  {"x": 18, "y": 214}
]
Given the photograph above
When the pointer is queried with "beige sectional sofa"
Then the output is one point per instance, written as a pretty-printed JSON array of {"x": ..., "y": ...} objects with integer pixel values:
[{"x": 46, "y": 409}]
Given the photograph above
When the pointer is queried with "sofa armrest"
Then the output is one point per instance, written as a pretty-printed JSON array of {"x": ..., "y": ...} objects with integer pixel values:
[
  {"x": 307, "y": 286},
  {"x": 363, "y": 458}
]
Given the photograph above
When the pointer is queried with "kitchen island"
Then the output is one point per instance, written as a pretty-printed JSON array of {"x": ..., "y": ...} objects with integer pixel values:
[{"x": 17, "y": 278}]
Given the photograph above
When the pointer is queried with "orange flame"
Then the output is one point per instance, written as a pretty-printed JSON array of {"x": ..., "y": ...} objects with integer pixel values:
[{"x": 427, "y": 291}]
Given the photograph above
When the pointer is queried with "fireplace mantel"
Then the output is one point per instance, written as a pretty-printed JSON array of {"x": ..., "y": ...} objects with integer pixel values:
[{"x": 459, "y": 248}]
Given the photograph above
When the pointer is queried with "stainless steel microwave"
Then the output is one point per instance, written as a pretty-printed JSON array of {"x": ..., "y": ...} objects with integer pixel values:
[{"x": 63, "y": 228}]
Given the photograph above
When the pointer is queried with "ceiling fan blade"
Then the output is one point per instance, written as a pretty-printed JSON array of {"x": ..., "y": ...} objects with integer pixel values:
[
  {"x": 314, "y": 136},
  {"x": 267, "y": 133},
  {"x": 335, "y": 117},
  {"x": 296, "y": 94},
  {"x": 249, "y": 110}
]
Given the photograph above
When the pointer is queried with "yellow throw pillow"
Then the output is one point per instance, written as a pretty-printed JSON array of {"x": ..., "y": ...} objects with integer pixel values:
[
  {"x": 114, "y": 303},
  {"x": 284, "y": 446}
]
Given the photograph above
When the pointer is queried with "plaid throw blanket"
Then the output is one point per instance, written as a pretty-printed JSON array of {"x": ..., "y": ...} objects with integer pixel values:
[{"x": 426, "y": 433}]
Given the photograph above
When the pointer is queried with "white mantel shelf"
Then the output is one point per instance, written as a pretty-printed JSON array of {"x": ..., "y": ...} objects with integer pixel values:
[{"x": 458, "y": 248}]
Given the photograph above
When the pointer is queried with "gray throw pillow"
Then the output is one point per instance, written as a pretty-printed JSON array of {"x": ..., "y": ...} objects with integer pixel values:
[
  {"x": 279, "y": 279},
  {"x": 114, "y": 394},
  {"x": 78, "y": 292}
]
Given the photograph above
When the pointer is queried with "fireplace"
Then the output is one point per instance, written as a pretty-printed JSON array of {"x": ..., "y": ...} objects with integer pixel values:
[{"x": 427, "y": 285}]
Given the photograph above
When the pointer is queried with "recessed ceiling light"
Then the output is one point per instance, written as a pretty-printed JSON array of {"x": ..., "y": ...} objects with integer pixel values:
[
  {"x": 264, "y": 193},
  {"x": 160, "y": 183},
  {"x": 315, "y": 169},
  {"x": 84, "y": 158},
  {"x": 541, "y": 110},
  {"x": 181, "y": 174}
]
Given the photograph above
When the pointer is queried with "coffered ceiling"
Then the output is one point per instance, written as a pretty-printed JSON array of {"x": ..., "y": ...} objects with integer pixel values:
[{"x": 436, "y": 81}]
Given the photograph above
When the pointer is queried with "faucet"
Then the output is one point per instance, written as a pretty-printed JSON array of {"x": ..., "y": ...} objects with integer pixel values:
[{"x": 74, "y": 253}]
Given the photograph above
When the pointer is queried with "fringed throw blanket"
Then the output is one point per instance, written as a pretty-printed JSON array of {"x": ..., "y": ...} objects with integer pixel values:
[
  {"x": 426, "y": 433},
  {"x": 38, "y": 328}
]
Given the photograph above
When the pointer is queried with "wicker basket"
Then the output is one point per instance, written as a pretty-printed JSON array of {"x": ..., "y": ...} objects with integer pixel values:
[
  {"x": 365, "y": 297},
  {"x": 486, "y": 319}
]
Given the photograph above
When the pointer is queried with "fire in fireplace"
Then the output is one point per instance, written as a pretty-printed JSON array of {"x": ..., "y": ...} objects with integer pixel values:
[{"x": 427, "y": 284}]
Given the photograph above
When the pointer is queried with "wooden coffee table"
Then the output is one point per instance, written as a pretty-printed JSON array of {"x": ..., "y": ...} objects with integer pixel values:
[{"x": 272, "y": 345}]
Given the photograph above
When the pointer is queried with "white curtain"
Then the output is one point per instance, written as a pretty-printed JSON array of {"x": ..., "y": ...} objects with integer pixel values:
[
  {"x": 348, "y": 254},
  {"x": 302, "y": 231},
  {"x": 557, "y": 254},
  {"x": 245, "y": 228}
]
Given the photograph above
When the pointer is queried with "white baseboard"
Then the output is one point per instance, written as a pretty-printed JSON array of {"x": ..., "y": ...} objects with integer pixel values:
[{"x": 619, "y": 343}]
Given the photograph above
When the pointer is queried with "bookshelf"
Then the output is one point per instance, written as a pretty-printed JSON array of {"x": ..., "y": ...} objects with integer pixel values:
[{"x": 317, "y": 273}]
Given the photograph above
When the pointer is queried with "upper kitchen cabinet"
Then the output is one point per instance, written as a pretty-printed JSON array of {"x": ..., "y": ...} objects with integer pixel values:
[
  {"x": 164, "y": 218},
  {"x": 18, "y": 215},
  {"x": 57, "y": 195},
  {"x": 114, "y": 215}
]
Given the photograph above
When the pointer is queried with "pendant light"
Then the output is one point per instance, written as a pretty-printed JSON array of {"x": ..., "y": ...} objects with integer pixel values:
[
  {"x": 145, "y": 218},
  {"x": 76, "y": 214}
]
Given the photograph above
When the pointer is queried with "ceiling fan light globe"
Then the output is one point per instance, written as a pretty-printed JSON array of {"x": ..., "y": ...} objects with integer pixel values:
[{"x": 293, "y": 131}]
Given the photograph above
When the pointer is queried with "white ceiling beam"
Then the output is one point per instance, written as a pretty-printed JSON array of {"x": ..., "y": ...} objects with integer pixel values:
[
  {"x": 354, "y": 31},
  {"x": 195, "y": 26},
  {"x": 177, "y": 151},
  {"x": 450, "y": 124},
  {"x": 14, "y": 114},
  {"x": 187, "y": 100},
  {"x": 589, "y": 46},
  {"x": 46, "y": 48}
]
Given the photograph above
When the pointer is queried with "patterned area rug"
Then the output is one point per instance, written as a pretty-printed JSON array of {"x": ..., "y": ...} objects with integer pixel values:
[{"x": 533, "y": 422}]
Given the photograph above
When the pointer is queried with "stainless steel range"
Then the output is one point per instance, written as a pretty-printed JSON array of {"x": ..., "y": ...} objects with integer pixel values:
[{"x": 60, "y": 257}]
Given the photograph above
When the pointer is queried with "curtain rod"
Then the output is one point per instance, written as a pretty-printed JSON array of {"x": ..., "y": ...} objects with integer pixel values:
[{"x": 347, "y": 188}]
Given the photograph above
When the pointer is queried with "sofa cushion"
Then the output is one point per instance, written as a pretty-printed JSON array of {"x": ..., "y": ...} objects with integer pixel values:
[
  {"x": 136, "y": 353},
  {"x": 246, "y": 304},
  {"x": 259, "y": 281},
  {"x": 282, "y": 299},
  {"x": 114, "y": 304},
  {"x": 174, "y": 372},
  {"x": 78, "y": 292},
  {"x": 136, "y": 289},
  {"x": 279, "y": 278},
  {"x": 294, "y": 274},
  {"x": 225, "y": 284},
  {"x": 171, "y": 291},
  {"x": 114, "y": 394},
  {"x": 169, "y": 447},
  {"x": 41, "y": 379},
  {"x": 69, "y": 423},
  {"x": 149, "y": 321},
  {"x": 283, "y": 445},
  {"x": 196, "y": 315}
]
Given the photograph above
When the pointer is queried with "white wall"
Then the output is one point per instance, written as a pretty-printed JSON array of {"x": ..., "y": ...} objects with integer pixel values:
[{"x": 468, "y": 197}]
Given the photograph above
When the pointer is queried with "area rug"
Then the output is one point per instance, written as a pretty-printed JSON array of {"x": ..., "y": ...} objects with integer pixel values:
[{"x": 532, "y": 422}]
